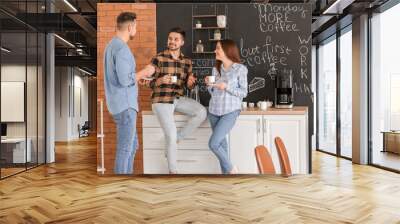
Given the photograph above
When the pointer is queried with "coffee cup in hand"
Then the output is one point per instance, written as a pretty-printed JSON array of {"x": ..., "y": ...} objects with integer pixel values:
[
  {"x": 211, "y": 79},
  {"x": 174, "y": 79}
]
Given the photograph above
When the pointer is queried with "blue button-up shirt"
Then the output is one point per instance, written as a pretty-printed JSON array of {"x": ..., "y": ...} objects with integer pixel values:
[
  {"x": 228, "y": 100},
  {"x": 119, "y": 77}
]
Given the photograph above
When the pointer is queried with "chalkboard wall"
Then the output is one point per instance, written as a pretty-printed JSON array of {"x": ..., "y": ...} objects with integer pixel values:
[{"x": 273, "y": 38}]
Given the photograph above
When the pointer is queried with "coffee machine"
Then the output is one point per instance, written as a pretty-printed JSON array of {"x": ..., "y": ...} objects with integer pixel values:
[{"x": 284, "y": 91}]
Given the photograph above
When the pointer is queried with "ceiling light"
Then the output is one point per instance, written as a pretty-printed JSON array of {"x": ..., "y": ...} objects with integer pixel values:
[
  {"x": 65, "y": 41},
  {"x": 5, "y": 50},
  {"x": 70, "y": 5}
]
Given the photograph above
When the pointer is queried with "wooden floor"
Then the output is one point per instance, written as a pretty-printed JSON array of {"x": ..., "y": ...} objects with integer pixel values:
[
  {"x": 71, "y": 192},
  {"x": 387, "y": 159},
  {"x": 5, "y": 172}
]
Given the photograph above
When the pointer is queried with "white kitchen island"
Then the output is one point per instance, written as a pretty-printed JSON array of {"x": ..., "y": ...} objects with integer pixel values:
[{"x": 253, "y": 127}]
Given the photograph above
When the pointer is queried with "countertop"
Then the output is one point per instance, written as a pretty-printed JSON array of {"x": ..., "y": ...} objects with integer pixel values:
[{"x": 257, "y": 111}]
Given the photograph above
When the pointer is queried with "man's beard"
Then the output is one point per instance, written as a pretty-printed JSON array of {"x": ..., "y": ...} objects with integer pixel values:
[{"x": 171, "y": 48}]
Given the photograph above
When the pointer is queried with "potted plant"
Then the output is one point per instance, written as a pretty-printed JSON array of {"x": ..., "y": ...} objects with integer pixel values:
[{"x": 198, "y": 24}]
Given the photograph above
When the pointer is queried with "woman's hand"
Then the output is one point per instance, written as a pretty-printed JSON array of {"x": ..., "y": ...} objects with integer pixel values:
[
  {"x": 220, "y": 86},
  {"x": 207, "y": 81},
  {"x": 191, "y": 80}
]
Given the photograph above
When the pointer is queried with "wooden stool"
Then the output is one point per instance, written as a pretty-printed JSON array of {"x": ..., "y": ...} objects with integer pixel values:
[
  {"x": 283, "y": 157},
  {"x": 264, "y": 160}
]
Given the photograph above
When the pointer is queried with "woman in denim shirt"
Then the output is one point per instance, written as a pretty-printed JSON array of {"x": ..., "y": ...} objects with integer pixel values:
[{"x": 227, "y": 94}]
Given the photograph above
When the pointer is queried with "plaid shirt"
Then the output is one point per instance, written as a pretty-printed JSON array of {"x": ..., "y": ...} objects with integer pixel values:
[
  {"x": 226, "y": 101},
  {"x": 165, "y": 64}
]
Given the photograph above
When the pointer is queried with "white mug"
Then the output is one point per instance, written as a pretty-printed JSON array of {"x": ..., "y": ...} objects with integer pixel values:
[
  {"x": 259, "y": 104},
  {"x": 221, "y": 21},
  {"x": 211, "y": 79},
  {"x": 174, "y": 79},
  {"x": 244, "y": 105},
  {"x": 264, "y": 105},
  {"x": 251, "y": 105}
]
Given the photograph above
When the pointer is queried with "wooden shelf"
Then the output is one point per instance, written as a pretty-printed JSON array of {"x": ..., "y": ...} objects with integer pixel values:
[
  {"x": 204, "y": 16},
  {"x": 205, "y": 52},
  {"x": 209, "y": 28}
]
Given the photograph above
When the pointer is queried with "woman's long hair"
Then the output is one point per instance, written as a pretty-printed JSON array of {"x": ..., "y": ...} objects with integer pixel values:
[{"x": 231, "y": 51}]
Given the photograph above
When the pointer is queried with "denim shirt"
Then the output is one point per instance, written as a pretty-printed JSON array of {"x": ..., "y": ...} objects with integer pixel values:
[
  {"x": 226, "y": 101},
  {"x": 120, "y": 86}
]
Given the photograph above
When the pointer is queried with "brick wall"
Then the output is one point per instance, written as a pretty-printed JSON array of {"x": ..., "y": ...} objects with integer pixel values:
[{"x": 144, "y": 46}]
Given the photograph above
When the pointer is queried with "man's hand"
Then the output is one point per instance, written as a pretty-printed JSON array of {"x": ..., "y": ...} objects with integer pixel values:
[
  {"x": 220, "y": 86},
  {"x": 148, "y": 71},
  {"x": 191, "y": 80},
  {"x": 144, "y": 82},
  {"x": 166, "y": 79}
]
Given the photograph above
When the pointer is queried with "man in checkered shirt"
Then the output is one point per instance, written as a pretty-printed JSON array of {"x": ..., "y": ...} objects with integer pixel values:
[{"x": 173, "y": 73}]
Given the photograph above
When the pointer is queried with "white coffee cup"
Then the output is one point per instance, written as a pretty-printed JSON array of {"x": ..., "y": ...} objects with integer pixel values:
[
  {"x": 264, "y": 105},
  {"x": 244, "y": 105},
  {"x": 259, "y": 104},
  {"x": 211, "y": 79},
  {"x": 174, "y": 79},
  {"x": 251, "y": 105}
]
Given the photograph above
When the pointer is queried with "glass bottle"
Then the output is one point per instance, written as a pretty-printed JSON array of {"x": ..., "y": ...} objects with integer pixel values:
[{"x": 199, "y": 47}]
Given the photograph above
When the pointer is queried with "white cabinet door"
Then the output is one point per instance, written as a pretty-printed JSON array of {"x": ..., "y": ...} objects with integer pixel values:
[
  {"x": 153, "y": 138},
  {"x": 197, "y": 162},
  {"x": 155, "y": 162},
  {"x": 188, "y": 161},
  {"x": 244, "y": 137},
  {"x": 292, "y": 130}
]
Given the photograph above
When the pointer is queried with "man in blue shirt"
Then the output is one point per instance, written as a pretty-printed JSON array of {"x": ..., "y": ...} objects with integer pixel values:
[{"x": 121, "y": 90}]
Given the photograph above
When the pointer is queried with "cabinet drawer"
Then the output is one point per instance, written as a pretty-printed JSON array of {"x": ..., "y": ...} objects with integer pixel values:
[
  {"x": 189, "y": 162},
  {"x": 153, "y": 138},
  {"x": 151, "y": 121},
  {"x": 154, "y": 162}
]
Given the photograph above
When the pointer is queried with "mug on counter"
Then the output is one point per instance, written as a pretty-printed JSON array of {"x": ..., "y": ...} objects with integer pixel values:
[
  {"x": 251, "y": 105},
  {"x": 264, "y": 105},
  {"x": 244, "y": 105}
]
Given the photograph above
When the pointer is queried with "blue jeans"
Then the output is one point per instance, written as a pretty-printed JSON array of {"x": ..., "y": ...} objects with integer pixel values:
[
  {"x": 127, "y": 142},
  {"x": 221, "y": 126}
]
